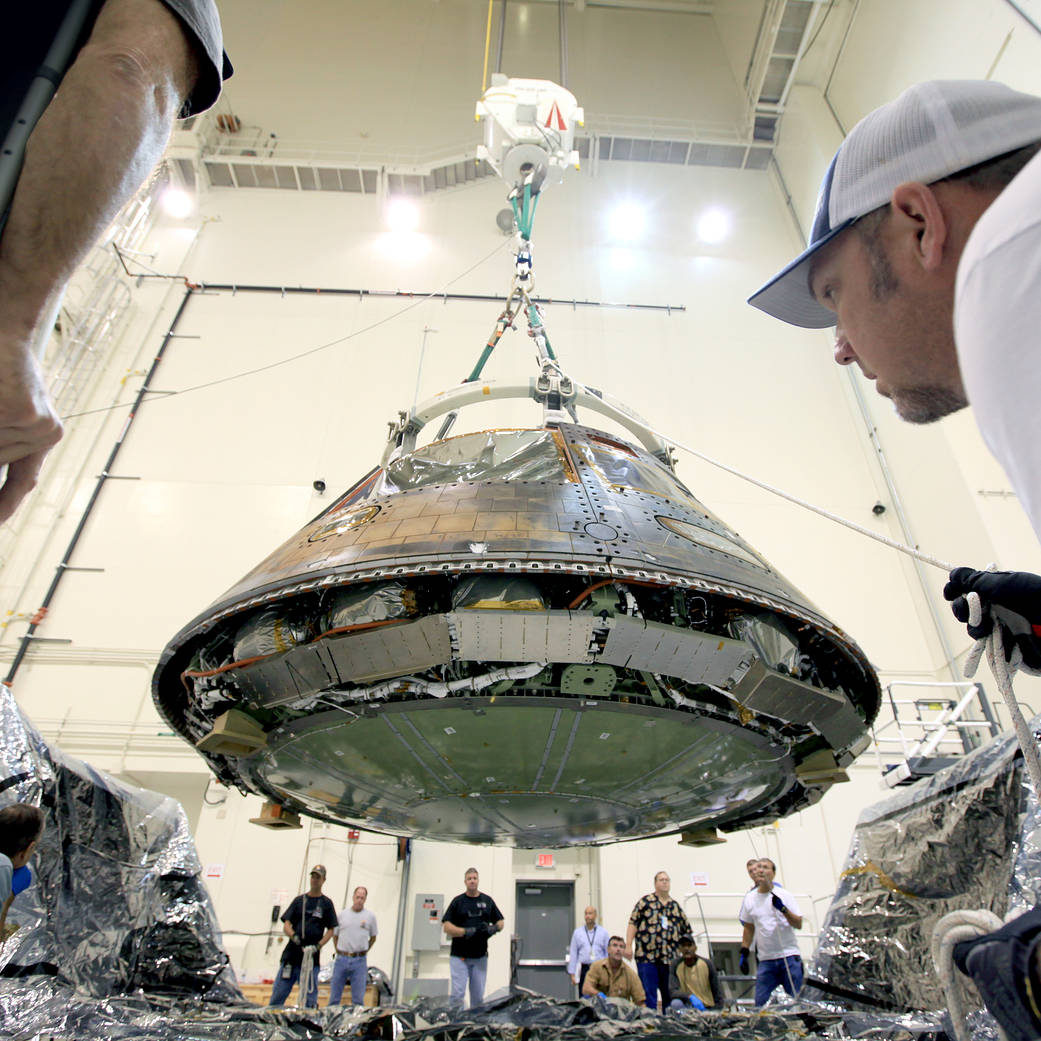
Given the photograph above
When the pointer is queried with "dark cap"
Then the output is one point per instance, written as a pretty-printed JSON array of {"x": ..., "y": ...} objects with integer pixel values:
[{"x": 318, "y": 869}]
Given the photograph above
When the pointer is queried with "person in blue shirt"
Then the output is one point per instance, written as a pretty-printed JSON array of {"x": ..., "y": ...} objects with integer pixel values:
[
  {"x": 588, "y": 944},
  {"x": 21, "y": 826}
]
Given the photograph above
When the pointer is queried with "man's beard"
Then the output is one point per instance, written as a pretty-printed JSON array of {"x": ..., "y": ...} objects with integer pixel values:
[{"x": 927, "y": 404}]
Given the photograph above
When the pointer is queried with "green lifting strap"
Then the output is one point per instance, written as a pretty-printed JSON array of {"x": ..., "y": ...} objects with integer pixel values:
[
  {"x": 525, "y": 217},
  {"x": 536, "y": 323}
]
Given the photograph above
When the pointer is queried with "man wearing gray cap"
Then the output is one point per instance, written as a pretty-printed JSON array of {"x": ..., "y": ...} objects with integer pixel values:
[
  {"x": 309, "y": 922},
  {"x": 925, "y": 254}
]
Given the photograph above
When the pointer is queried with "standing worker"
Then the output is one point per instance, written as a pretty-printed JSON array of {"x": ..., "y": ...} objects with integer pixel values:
[
  {"x": 355, "y": 934},
  {"x": 309, "y": 922},
  {"x": 656, "y": 925},
  {"x": 925, "y": 254},
  {"x": 470, "y": 919},
  {"x": 588, "y": 944},
  {"x": 770, "y": 916}
]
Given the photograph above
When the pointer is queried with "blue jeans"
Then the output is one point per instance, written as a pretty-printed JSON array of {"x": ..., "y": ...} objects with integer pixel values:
[
  {"x": 283, "y": 985},
  {"x": 654, "y": 975},
  {"x": 774, "y": 972},
  {"x": 472, "y": 970},
  {"x": 348, "y": 968}
]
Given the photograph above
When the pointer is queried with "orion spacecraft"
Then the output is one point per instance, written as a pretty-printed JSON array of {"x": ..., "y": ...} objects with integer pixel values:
[{"x": 537, "y": 636}]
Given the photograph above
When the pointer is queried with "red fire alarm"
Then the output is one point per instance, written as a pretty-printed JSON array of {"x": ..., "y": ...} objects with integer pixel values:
[{"x": 353, "y": 835}]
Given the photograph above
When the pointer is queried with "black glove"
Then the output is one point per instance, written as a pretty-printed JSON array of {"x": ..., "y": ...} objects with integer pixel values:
[
  {"x": 470, "y": 932},
  {"x": 778, "y": 903},
  {"x": 742, "y": 961},
  {"x": 1002, "y": 965},
  {"x": 1012, "y": 598}
]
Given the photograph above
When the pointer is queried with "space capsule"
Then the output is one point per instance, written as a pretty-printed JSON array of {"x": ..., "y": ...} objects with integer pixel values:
[{"x": 536, "y": 637}]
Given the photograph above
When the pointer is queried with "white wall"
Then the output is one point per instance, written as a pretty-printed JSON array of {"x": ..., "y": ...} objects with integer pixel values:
[{"x": 223, "y": 474}]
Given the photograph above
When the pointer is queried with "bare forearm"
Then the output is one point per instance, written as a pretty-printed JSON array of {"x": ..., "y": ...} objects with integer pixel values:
[
  {"x": 98, "y": 140},
  {"x": 746, "y": 935}
]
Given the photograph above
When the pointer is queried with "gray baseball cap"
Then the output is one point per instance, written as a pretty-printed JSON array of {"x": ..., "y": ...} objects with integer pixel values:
[{"x": 929, "y": 132}]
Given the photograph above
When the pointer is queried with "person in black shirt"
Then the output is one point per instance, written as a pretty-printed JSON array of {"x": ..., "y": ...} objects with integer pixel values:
[
  {"x": 309, "y": 922},
  {"x": 470, "y": 919}
]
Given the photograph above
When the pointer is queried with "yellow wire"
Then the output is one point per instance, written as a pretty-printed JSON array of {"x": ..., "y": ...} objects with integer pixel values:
[{"x": 487, "y": 45}]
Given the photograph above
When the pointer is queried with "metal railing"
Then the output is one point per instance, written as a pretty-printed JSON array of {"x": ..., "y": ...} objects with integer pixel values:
[{"x": 923, "y": 727}]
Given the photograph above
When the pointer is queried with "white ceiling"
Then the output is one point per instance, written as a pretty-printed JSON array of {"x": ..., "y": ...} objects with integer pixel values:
[{"x": 394, "y": 78}]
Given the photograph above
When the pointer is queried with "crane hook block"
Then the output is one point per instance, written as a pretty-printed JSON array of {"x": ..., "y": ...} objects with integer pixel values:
[{"x": 529, "y": 131}]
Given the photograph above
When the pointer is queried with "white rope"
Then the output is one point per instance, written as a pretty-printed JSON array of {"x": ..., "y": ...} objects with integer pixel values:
[
  {"x": 308, "y": 968},
  {"x": 901, "y": 547},
  {"x": 951, "y": 929},
  {"x": 1003, "y": 672}
]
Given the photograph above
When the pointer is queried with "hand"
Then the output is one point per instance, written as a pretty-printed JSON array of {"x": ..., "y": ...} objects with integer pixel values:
[
  {"x": 742, "y": 961},
  {"x": 778, "y": 903},
  {"x": 574, "y": 980},
  {"x": 628, "y": 954},
  {"x": 469, "y": 932},
  {"x": 601, "y": 994},
  {"x": 28, "y": 430},
  {"x": 312, "y": 949},
  {"x": 1011, "y": 598},
  {"x": 697, "y": 1002}
]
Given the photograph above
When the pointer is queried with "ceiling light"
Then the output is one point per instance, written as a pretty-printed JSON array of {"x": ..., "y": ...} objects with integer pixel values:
[
  {"x": 402, "y": 215},
  {"x": 628, "y": 221},
  {"x": 713, "y": 225},
  {"x": 177, "y": 203}
]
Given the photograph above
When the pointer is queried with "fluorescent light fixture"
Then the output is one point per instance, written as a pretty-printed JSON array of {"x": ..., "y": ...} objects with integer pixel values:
[
  {"x": 402, "y": 215},
  {"x": 628, "y": 221},
  {"x": 713, "y": 225},
  {"x": 177, "y": 203}
]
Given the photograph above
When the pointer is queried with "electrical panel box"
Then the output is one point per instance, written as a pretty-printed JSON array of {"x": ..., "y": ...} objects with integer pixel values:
[{"x": 426, "y": 925}]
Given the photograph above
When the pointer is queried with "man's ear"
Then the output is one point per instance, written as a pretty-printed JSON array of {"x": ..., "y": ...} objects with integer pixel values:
[{"x": 919, "y": 220}]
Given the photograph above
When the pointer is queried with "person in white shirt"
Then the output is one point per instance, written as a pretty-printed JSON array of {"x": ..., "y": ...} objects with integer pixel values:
[
  {"x": 588, "y": 944},
  {"x": 355, "y": 934},
  {"x": 770, "y": 916}
]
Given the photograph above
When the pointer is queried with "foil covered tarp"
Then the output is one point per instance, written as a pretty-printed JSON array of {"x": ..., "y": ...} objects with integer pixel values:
[
  {"x": 966, "y": 838},
  {"x": 520, "y": 1016},
  {"x": 118, "y": 903}
]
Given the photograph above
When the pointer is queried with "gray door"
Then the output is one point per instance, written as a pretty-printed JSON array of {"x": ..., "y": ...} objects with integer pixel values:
[{"x": 545, "y": 913}]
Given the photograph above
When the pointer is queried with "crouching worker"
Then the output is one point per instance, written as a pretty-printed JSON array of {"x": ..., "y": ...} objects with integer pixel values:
[
  {"x": 610, "y": 977},
  {"x": 693, "y": 982}
]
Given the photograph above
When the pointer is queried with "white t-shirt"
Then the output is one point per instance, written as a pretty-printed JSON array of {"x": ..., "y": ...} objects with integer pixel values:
[
  {"x": 997, "y": 330},
  {"x": 354, "y": 929},
  {"x": 6, "y": 873},
  {"x": 774, "y": 937}
]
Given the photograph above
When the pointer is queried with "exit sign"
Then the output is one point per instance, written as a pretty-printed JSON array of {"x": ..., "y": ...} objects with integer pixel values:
[{"x": 544, "y": 860}]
